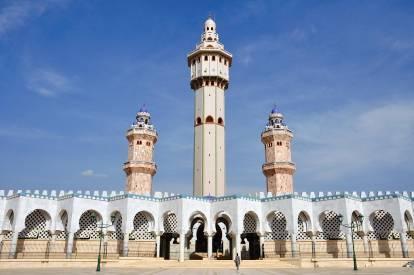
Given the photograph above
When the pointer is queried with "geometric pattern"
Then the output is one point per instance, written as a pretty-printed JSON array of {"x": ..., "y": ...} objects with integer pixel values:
[
  {"x": 278, "y": 226},
  {"x": 383, "y": 225},
  {"x": 8, "y": 236},
  {"x": 116, "y": 220},
  {"x": 88, "y": 226},
  {"x": 170, "y": 223},
  {"x": 302, "y": 228},
  {"x": 141, "y": 228},
  {"x": 63, "y": 234},
  {"x": 249, "y": 224},
  {"x": 331, "y": 227},
  {"x": 35, "y": 226}
]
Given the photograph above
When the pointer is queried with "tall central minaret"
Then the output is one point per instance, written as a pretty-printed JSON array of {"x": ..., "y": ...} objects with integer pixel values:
[{"x": 209, "y": 64}]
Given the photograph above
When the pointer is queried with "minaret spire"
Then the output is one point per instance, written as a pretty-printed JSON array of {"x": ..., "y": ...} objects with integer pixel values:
[{"x": 209, "y": 65}]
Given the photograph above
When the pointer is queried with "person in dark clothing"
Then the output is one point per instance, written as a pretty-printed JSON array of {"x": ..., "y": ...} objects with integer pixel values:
[{"x": 237, "y": 261}]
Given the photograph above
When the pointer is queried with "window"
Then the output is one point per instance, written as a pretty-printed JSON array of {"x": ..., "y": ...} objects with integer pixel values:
[
  {"x": 225, "y": 62},
  {"x": 270, "y": 144},
  {"x": 193, "y": 61},
  {"x": 205, "y": 58},
  {"x": 198, "y": 59},
  {"x": 279, "y": 143},
  {"x": 139, "y": 142},
  {"x": 220, "y": 121},
  {"x": 220, "y": 59},
  {"x": 198, "y": 121},
  {"x": 213, "y": 58},
  {"x": 148, "y": 143},
  {"x": 209, "y": 119}
]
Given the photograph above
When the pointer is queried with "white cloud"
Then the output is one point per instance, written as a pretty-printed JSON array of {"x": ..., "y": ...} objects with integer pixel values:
[
  {"x": 92, "y": 173},
  {"x": 17, "y": 13},
  {"x": 49, "y": 83},
  {"x": 357, "y": 140}
]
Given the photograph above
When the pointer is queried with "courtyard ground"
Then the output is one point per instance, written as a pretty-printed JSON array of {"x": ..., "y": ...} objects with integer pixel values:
[{"x": 200, "y": 271}]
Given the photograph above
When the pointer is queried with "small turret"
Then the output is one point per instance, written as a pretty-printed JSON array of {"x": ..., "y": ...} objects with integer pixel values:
[
  {"x": 278, "y": 167},
  {"x": 140, "y": 167}
]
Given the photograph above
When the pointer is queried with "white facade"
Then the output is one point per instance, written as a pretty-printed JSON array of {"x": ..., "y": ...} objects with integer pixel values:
[
  {"x": 209, "y": 66},
  {"x": 263, "y": 211}
]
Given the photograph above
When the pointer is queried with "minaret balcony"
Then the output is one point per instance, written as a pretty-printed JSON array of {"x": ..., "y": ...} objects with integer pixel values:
[
  {"x": 282, "y": 165},
  {"x": 140, "y": 166}
]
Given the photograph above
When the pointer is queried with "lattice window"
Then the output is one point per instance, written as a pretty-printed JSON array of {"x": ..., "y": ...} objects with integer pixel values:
[
  {"x": 278, "y": 226},
  {"x": 170, "y": 223},
  {"x": 141, "y": 228},
  {"x": 63, "y": 234},
  {"x": 383, "y": 225},
  {"x": 8, "y": 236},
  {"x": 302, "y": 228},
  {"x": 88, "y": 226},
  {"x": 116, "y": 220},
  {"x": 249, "y": 224},
  {"x": 35, "y": 226},
  {"x": 331, "y": 227}
]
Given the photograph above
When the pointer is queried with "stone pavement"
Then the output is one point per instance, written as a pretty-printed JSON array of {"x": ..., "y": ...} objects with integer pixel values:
[{"x": 215, "y": 271}]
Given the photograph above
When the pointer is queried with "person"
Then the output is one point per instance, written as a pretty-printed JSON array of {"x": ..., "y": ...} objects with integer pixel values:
[{"x": 237, "y": 261}]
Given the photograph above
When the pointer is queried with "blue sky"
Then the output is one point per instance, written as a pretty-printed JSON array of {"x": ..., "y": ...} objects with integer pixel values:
[{"x": 74, "y": 73}]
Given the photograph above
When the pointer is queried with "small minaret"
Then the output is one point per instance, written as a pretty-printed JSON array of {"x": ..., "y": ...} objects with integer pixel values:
[
  {"x": 209, "y": 71},
  {"x": 278, "y": 167},
  {"x": 140, "y": 167}
]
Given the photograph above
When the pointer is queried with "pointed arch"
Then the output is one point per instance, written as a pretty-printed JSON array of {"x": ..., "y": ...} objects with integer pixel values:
[
  {"x": 88, "y": 225},
  {"x": 143, "y": 226},
  {"x": 37, "y": 225}
]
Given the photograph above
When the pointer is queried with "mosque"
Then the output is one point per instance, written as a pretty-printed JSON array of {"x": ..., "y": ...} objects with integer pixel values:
[{"x": 209, "y": 224}]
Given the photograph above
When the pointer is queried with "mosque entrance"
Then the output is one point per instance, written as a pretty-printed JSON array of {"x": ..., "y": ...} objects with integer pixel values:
[
  {"x": 250, "y": 241},
  {"x": 197, "y": 240},
  {"x": 250, "y": 246},
  {"x": 169, "y": 245},
  {"x": 222, "y": 241},
  {"x": 201, "y": 243},
  {"x": 166, "y": 240}
]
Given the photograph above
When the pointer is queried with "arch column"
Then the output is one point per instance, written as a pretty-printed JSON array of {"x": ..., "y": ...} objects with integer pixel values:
[
  {"x": 1, "y": 241},
  {"x": 13, "y": 246},
  {"x": 404, "y": 247},
  {"x": 261, "y": 241},
  {"x": 182, "y": 246},
  {"x": 348, "y": 239},
  {"x": 294, "y": 244},
  {"x": 69, "y": 244},
  {"x": 365, "y": 243},
  {"x": 209, "y": 246},
  {"x": 236, "y": 245},
  {"x": 313, "y": 240},
  {"x": 158, "y": 242},
  {"x": 125, "y": 245}
]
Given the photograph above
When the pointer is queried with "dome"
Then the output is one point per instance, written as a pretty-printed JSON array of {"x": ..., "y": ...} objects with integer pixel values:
[
  {"x": 274, "y": 110},
  {"x": 210, "y": 25}
]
